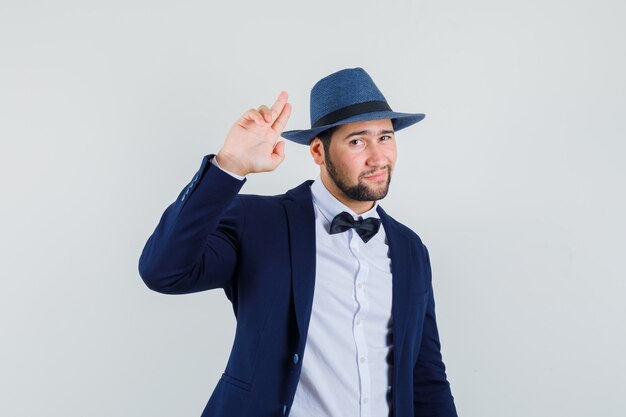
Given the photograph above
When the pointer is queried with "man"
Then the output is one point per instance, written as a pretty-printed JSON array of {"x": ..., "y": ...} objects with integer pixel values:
[{"x": 333, "y": 297}]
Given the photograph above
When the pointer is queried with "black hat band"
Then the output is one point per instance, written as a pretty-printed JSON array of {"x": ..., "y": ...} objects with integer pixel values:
[{"x": 352, "y": 110}]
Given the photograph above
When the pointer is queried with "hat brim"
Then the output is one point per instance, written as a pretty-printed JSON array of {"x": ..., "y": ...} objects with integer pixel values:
[{"x": 398, "y": 120}]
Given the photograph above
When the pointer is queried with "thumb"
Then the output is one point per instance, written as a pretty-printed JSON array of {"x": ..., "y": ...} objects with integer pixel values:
[{"x": 278, "y": 153}]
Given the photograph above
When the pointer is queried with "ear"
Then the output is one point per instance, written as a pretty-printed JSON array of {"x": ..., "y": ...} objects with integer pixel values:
[{"x": 317, "y": 151}]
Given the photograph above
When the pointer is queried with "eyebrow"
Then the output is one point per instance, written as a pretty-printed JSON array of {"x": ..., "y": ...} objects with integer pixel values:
[{"x": 367, "y": 132}]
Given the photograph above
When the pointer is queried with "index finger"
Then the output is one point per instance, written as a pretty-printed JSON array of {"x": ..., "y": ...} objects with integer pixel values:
[
  {"x": 277, "y": 107},
  {"x": 279, "y": 124}
]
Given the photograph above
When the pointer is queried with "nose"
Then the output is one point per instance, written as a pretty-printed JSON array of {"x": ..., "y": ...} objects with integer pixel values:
[{"x": 376, "y": 156}]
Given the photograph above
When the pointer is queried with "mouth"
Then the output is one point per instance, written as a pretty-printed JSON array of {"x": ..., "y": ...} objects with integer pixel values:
[{"x": 377, "y": 176}]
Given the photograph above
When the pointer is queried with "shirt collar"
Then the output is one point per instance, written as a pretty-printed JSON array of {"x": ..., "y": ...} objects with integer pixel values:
[{"x": 329, "y": 206}]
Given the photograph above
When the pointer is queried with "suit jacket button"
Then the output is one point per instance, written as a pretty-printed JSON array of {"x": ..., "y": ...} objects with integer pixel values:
[{"x": 296, "y": 359}]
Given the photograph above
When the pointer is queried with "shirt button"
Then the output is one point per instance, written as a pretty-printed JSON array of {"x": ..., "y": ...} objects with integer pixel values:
[
  {"x": 362, "y": 359},
  {"x": 365, "y": 400},
  {"x": 358, "y": 322},
  {"x": 359, "y": 285}
]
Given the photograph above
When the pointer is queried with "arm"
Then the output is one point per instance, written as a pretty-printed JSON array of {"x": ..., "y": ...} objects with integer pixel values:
[
  {"x": 431, "y": 390},
  {"x": 194, "y": 246}
]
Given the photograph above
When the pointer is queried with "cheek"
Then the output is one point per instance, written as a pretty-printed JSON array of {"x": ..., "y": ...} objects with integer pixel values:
[
  {"x": 350, "y": 168},
  {"x": 356, "y": 163},
  {"x": 349, "y": 159},
  {"x": 350, "y": 162}
]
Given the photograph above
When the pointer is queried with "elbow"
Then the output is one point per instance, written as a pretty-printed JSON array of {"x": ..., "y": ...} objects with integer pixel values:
[
  {"x": 151, "y": 280},
  {"x": 171, "y": 281},
  {"x": 154, "y": 280}
]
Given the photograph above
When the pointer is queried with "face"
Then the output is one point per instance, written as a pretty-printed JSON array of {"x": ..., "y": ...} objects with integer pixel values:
[{"x": 360, "y": 160}]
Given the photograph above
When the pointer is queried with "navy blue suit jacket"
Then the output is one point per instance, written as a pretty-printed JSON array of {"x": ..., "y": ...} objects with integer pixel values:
[{"x": 261, "y": 251}]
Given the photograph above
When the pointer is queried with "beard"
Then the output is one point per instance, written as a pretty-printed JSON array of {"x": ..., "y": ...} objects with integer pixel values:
[{"x": 361, "y": 191}]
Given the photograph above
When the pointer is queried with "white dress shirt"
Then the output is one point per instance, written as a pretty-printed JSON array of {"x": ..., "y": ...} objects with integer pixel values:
[{"x": 345, "y": 371}]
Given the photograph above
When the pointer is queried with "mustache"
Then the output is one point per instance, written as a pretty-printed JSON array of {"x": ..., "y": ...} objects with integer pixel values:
[{"x": 367, "y": 174}]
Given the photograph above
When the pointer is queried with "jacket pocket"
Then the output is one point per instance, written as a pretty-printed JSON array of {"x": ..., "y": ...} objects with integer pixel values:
[
  {"x": 236, "y": 382},
  {"x": 231, "y": 398}
]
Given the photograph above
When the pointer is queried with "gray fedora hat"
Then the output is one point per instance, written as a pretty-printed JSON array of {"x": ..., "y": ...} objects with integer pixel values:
[{"x": 348, "y": 96}]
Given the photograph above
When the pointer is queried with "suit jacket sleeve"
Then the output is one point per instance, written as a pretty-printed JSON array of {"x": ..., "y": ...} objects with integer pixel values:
[
  {"x": 194, "y": 246},
  {"x": 432, "y": 396}
]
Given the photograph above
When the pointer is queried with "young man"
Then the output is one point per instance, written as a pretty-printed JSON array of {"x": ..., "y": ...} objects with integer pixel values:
[{"x": 333, "y": 297}]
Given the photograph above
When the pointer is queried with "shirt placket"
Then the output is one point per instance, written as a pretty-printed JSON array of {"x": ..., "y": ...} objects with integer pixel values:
[{"x": 360, "y": 315}]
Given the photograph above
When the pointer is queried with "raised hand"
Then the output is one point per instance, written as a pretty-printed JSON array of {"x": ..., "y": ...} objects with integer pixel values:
[{"x": 252, "y": 143}]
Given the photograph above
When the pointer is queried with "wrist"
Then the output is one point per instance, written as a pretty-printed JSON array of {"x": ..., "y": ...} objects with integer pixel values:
[{"x": 230, "y": 163}]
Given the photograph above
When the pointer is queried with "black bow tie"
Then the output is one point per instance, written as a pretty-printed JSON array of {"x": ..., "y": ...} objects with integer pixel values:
[{"x": 366, "y": 228}]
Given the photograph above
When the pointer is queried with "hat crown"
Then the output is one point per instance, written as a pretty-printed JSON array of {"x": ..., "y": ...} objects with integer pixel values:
[{"x": 341, "y": 89}]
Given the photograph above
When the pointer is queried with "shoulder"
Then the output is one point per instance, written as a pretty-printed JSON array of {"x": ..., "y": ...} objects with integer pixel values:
[
  {"x": 403, "y": 229},
  {"x": 275, "y": 206},
  {"x": 266, "y": 215},
  {"x": 259, "y": 202},
  {"x": 300, "y": 193},
  {"x": 417, "y": 244}
]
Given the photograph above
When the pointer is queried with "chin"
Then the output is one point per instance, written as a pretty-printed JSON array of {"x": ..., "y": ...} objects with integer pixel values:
[{"x": 375, "y": 193}]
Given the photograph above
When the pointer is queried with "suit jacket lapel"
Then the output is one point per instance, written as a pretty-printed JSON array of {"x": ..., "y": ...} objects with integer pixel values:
[
  {"x": 400, "y": 253},
  {"x": 301, "y": 222}
]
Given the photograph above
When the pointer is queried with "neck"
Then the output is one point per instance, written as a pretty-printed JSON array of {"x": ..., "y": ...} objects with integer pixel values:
[{"x": 359, "y": 207}]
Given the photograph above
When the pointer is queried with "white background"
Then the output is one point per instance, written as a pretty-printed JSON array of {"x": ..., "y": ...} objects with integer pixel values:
[{"x": 515, "y": 181}]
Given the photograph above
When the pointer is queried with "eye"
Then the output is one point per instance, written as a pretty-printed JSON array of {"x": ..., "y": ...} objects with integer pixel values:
[
  {"x": 352, "y": 142},
  {"x": 386, "y": 136}
]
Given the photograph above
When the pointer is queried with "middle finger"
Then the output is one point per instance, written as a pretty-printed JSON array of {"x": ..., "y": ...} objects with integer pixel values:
[{"x": 266, "y": 112}]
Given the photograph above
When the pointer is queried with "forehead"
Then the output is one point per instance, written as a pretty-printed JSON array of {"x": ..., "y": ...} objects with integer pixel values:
[{"x": 374, "y": 126}]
